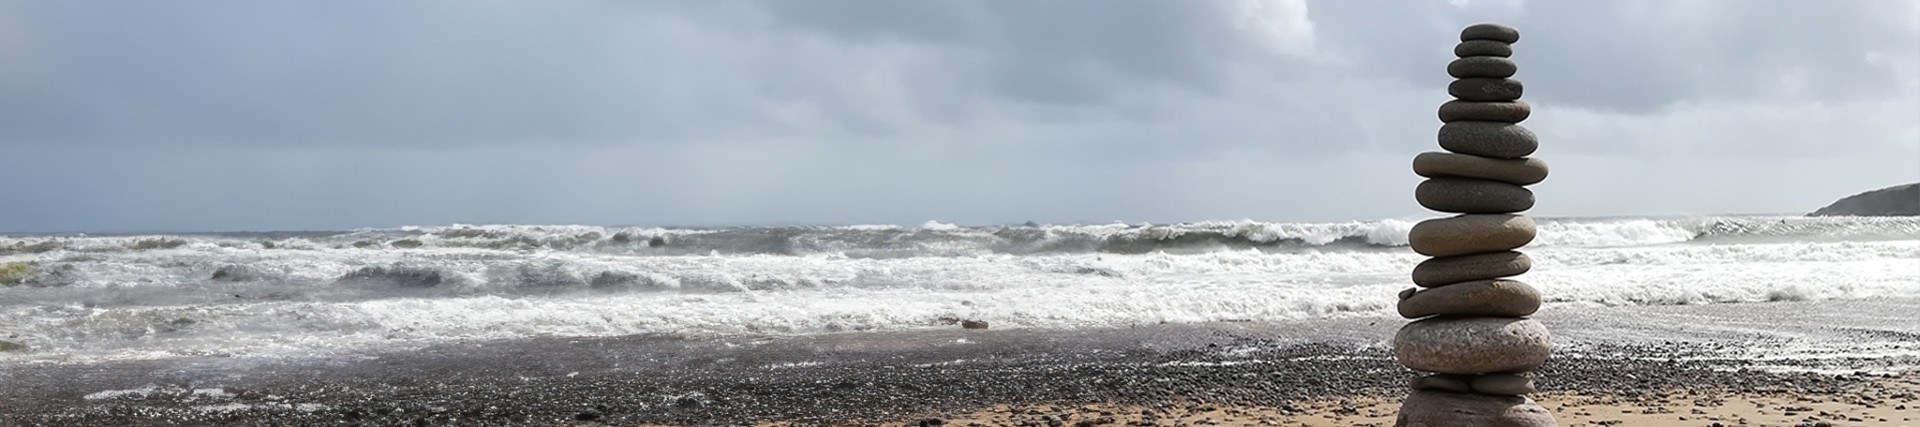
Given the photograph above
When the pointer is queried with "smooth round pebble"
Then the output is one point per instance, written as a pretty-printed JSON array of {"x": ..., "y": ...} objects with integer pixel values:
[
  {"x": 1488, "y": 139},
  {"x": 1473, "y": 345},
  {"x": 1525, "y": 171},
  {"x": 1472, "y": 196},
  {"x": 1454, "y": 383},
  {"x": 1482, "y": 48},
  {"x": 1501, "y": 298},
  {"x": 1489, "y": 31},
  {"x": 1482, "y": 66},
  {"x": 1471, "y": 234},
  {"x": 1513, "y": 111},
  {"x": 1502, "y": 384},
  {"x": 1485, "y": 89},
  {"x": 1442, "y": 271},
  {"x": 1433, "y": 408}
]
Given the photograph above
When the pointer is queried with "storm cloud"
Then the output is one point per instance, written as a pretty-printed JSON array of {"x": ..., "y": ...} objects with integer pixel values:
[{"x": 337, "y": 114}]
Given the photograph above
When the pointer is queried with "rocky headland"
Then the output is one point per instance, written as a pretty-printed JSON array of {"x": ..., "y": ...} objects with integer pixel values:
[{"x": 1898, "y": 200}]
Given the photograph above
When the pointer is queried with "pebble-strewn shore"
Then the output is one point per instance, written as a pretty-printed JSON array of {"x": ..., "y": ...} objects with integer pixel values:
[
  {"x": 1853, "y": 400},
  {"x": 854, "y": 378}
]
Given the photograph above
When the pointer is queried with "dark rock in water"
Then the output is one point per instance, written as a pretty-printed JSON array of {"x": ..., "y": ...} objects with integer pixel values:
[
  {"x": 1482, "y": 66},
  {"x": 6, "y": 346},
  {"x": 1502, "y": 384},
  {"x": 1512, "y": 171},
  {"x": 1455, "y": 269},
  {"x": 1503, "y": 298},
  {"x": 1471, "y": 234},
  {"x": 1429, "y": 408},
  {"x": 1898, "y": 200},
  {"x": 1514, "y": 111},
  {"x": 1446, "y": 382},
  {"x": 586, "y": 416},
  {"x": 1483, "y": 48},
  {"x": 1489, "y": 139},
  {"x": 973, "y": 324},
  {"x": 1474, "y": 345},
  {"x": 1488, "y": 31},
  {"x": 1472, "y": 196},
  {"x": 1485, "y": 89}
]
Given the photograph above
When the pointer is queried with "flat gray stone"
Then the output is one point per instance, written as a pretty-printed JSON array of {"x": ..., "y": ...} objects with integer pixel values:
[
  {"x": 1482, "y": 66},
  {"x": 1499, "y": 298},
  {"x": 1442, "y": 271},
  {"x": 1432, "y": 408},
  {"x": 1483, "y": 48},
  {"x": 1453, "y": 383},
  {"x": 1525, "y": 171},
  {"x": 1502, "y": 384},
  {"x": 1488, "y": 139},
  {"x": 1489, "y": 31},
  {"x": 1471, "y": 234},
  {"x": 1513, "y": 111},
  {"x": 1472, "y": 196},
  {"x": 1485, "y": 89},
  {"x": 1473, "y": 345}
]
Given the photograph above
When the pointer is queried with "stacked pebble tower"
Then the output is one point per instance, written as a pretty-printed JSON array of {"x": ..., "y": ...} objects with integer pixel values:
[{"x": 1472, "y": 333}]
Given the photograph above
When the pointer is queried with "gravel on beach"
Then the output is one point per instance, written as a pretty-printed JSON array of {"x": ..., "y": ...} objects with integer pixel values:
[{"x": 849, "y": 378}]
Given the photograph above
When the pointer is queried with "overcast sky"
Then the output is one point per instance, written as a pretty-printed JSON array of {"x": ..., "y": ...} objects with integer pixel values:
[{"x": 236, "y": 115}]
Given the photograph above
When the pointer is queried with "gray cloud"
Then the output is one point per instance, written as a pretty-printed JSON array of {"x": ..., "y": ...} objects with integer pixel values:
[{"x": 346, "y": 114}]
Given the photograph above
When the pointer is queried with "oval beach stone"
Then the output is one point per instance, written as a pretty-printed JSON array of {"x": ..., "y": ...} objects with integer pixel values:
[
  {"x": 1482, "y": 48},
  {"x": 1442, "y": 271},
  {"x": 1512, "y": 171},
  {"x": 1432, "y": 408},
  {"x": 1489, "y": 31},
  {"x": 1513, "y": 111},
  {"x": 1484, "y": 89},
  {"x": 1455, "y": 383},
  {"x": 1502, "y": 298},
  {"x": 1473, "y": 345},
  {"x": 1472, "y": 196},
  {"x": 1470, "y": 234},
  {"x": 1482, "y": 66},
  {"x": 1488, "y": 139},
  {"x": 1502, "y": 384}
]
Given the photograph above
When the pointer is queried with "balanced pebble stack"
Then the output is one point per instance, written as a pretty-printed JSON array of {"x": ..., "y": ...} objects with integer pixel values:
[{"x": 1472, "y": 334}]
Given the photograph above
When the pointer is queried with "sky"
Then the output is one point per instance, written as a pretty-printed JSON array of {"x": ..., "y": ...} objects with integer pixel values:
[{"x": 292, "y": 115}]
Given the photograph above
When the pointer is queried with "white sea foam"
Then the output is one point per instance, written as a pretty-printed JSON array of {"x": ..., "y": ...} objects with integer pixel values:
[{"x": 97, "y": 297}]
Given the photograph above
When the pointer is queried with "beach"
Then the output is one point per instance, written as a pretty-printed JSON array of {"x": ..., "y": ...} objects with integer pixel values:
[{"x": 1848, "y": 359}]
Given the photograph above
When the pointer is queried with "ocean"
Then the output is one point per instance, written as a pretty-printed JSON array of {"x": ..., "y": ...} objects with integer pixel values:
[{"x": 73, "y": 298}]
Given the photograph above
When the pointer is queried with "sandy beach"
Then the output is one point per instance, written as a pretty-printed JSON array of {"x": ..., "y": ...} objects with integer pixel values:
[
  {"x": 1868, "y": 400},
  {"x": 1321, "y": 372}
]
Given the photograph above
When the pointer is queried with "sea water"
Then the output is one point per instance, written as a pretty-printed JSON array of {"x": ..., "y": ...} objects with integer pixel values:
[{"x": 74, "y": 298}]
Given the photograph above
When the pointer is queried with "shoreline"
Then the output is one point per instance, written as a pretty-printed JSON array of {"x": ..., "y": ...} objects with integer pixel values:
[
  {"x": 904, "y": 377},
  {"x": 1892, "y": 400}
]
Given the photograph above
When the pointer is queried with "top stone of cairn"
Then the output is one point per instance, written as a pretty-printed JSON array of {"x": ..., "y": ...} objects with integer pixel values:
[{"x": 1494, "y": 32}]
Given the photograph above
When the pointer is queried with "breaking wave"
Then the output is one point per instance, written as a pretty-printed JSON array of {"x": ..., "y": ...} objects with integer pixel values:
[
  {"x": 939, "y": 239},
  {"x": 259, "y": 293}
]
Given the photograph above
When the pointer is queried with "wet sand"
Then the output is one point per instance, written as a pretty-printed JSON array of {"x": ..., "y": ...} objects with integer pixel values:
[
  {"x": 1298, "y": 372},
  {"x": 1868, "y": 400}
]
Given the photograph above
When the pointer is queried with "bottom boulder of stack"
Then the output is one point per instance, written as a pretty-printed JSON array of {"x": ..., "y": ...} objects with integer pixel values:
[{"x": 1430, "y": 408}]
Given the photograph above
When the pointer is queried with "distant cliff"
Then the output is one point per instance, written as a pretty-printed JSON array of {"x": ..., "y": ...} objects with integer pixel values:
[{"x": 1898, "y": 200}]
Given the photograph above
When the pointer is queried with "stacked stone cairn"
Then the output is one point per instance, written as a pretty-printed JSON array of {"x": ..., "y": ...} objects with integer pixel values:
[{"x": 1472, "y": 333}]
